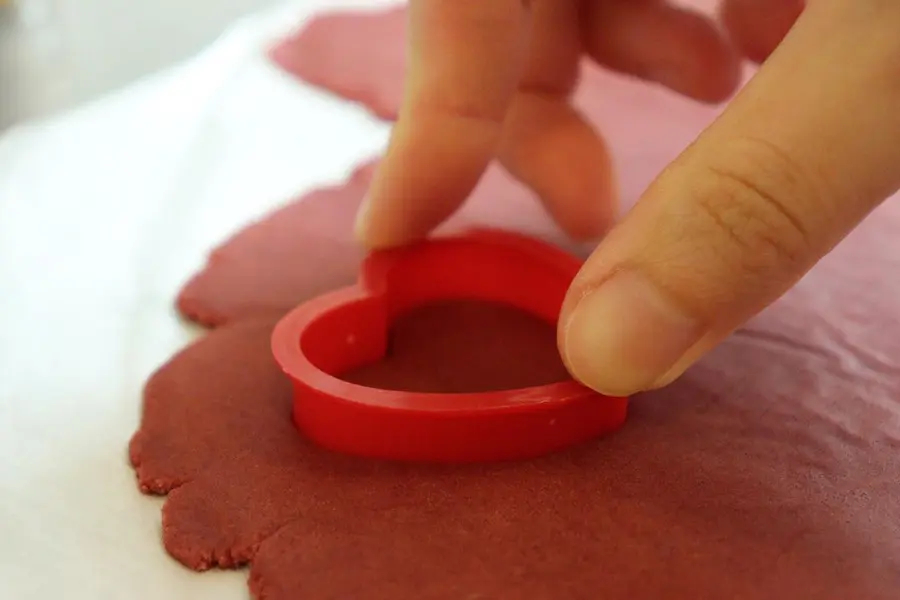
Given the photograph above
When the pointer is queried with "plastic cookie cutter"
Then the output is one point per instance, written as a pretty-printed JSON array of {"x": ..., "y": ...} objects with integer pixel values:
[{"x": 348, "y": 328}]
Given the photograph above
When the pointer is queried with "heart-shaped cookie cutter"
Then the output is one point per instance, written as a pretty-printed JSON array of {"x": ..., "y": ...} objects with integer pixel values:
[{"x": 345, "y": 329}]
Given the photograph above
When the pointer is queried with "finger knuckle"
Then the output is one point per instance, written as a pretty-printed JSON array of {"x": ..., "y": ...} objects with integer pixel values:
[{"x": 757, "y": 197}]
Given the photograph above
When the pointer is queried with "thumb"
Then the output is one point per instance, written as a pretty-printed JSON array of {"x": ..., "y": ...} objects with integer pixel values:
[{"x": 801, "y": 156}]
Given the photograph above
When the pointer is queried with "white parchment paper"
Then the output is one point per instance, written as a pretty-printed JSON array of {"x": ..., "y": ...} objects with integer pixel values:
[{"x": 104, "y": 212}]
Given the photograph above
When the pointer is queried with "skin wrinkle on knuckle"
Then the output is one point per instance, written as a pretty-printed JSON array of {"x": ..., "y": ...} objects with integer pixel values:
[
  {"x": 492, "y": 113},
  {"x": 760, "y": 201},
  {"x": 460, "y": 108},
  {"x": 488, "y": 105}
]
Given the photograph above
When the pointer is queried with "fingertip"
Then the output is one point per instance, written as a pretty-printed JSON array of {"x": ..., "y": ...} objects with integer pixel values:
[
  {"x": 554, "y": 151},
  {"x": 713, "y": 67},
  {"x": 432, "y": 165},
  {"x": 382, "y": 223},
  {"x": 382, "y": 234},
  {"x": 758, "y": 26},
  {"x": 675, "y": 47}
]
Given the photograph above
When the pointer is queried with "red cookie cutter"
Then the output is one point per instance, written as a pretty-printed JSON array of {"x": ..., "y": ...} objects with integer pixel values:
[{"x": 342, "y": 330}]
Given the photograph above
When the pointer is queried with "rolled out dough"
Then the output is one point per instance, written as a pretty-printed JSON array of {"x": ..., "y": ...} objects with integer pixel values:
[{"x": 771, "y": 470}]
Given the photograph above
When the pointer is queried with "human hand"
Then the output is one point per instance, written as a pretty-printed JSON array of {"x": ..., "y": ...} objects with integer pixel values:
[{"x": 798, "y": 159}]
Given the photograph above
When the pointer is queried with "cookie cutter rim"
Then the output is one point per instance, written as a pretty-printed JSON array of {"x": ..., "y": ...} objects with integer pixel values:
[{"x": 349, "y": 327}]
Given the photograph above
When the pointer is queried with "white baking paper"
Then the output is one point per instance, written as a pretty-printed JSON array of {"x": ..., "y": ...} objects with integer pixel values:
[{"x": 104, "y": 212}]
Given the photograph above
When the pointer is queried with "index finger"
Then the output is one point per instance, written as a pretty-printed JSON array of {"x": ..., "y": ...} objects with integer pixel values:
[{"x": 466, "y": 58}]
